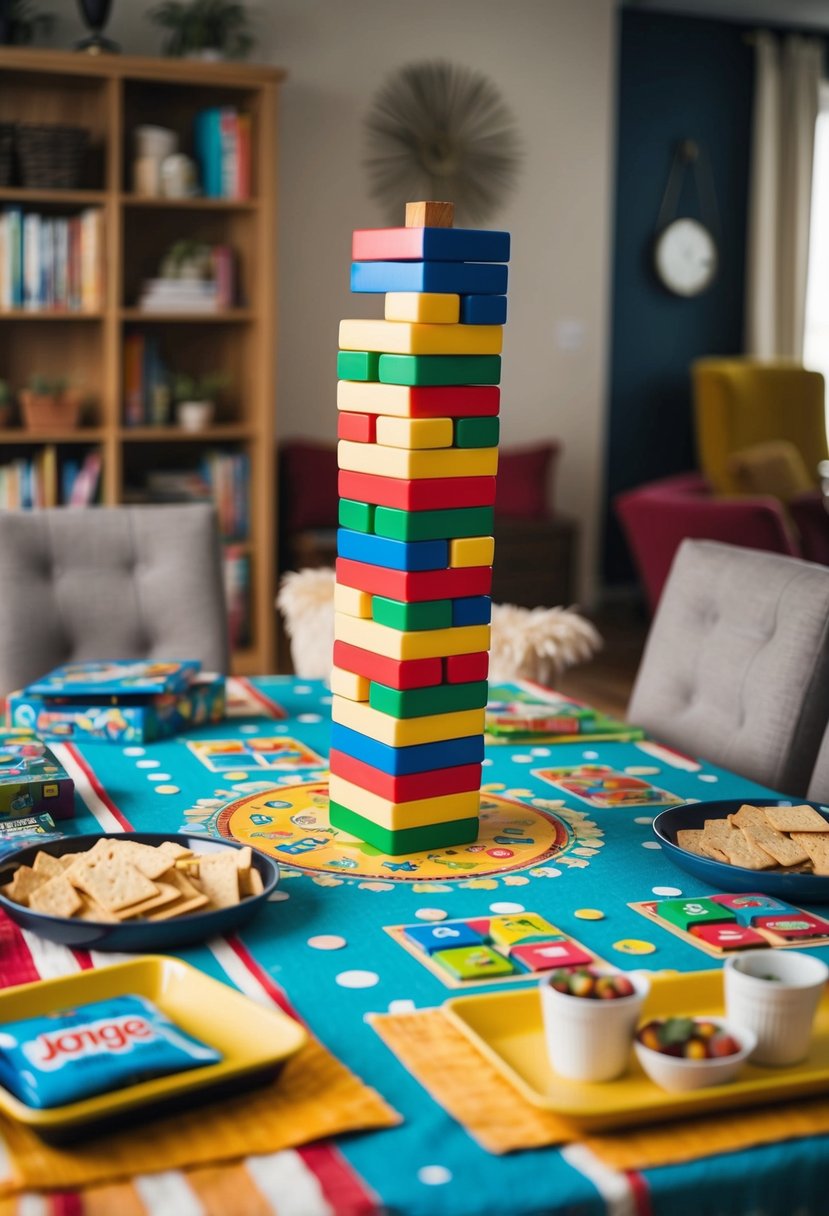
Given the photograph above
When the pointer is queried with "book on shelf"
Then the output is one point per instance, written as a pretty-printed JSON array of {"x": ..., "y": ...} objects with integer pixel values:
[
  {"x": 51, "y": 263},
  {"x": 236, "y": 570},
  {"x": 213, "y": 294},
  {"x": 222, "y": 142},
  {"x": 147, "y": 397},
  {"x": 221, "y": 478},
  {"x": 40, "y": 481}
]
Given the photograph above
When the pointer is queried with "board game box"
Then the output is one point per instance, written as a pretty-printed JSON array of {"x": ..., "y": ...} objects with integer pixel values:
[{"x": 32, "y": 782}]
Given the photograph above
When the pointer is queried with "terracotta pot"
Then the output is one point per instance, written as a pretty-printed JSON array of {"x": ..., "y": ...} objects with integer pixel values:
[{"x": 50, "y": 411}]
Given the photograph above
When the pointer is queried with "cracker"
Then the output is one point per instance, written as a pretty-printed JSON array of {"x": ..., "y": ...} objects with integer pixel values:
[
  {"x": 175, "y": 850},
  {"x": 244, "y": 858},
  {"x": 151, "y": 862},
  {"x": 180, "y": 909},
  {"x": 25, "y": 881},
  {"x": 219, "y": 879},
  {"x": 816, "y": 845},
  {"x": 738, "y": 849},
  {"x": 795, "y": 819},
  {"x": 251, "y": 883},
  {"x": 784, "y": 850},
  {"x": 184, "y": 885},
  {"x": 689, "y": 839},
  {"x": 57, "y": 897},
  {"x": 114, "y": 883},
  {"x": 44, "y": 863},
  {"x": 91, "y": 910},
  {"x": 167, "y": 894}
]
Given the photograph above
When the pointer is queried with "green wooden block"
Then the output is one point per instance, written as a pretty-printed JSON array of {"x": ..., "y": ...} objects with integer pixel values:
[
  {"x": 405, "y": 840},
  {"x": 358, "y": 365},
  {"x": 359, "y": 516},
  {"x": 687, "y": 912},
  {"x": 419, "y": 702},
  {"x": 477, "y": 432},
  {"x": 429, "y": 614},
  {"x": 434, "y": 525},
  {"x": 440, "y": 369},
  {"x": 473, "y": 962}
]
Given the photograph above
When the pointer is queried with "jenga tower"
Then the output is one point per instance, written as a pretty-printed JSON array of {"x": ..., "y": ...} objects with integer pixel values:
[{"x": 418, "y": 427}]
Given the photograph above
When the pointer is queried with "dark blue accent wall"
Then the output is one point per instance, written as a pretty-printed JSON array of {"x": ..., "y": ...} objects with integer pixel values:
[{"x": 679, "y": 78}]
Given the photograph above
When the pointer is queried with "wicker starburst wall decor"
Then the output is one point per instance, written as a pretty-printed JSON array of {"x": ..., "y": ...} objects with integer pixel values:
[{"x": 437, "y": 130}]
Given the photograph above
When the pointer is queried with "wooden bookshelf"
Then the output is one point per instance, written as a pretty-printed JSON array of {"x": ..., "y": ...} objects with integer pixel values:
[{"x": 110, "y": 95}]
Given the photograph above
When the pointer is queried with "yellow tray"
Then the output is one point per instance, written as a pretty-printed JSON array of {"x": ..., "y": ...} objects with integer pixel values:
[
  {"x": 507, "y": 1028},
  {"x": 254, "y": 1041}
]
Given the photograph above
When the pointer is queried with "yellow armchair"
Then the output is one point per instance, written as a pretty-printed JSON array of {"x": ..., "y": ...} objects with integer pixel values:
[{"x": 742, "y": 402}]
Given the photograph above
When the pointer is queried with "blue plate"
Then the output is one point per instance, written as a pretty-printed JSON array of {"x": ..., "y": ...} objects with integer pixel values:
[
  {"x": 812, "y": 888},
  {"x": 144, "y": 936}
]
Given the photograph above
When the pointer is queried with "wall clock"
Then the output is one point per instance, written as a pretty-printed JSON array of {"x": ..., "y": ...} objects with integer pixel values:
[{"x": 686, "y": 257}]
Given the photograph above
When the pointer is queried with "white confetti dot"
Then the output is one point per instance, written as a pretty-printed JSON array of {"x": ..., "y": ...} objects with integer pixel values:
[
  {"x": 590, "y": 755},
  {"x": 302, "y": 690},
  {"x": 358, "y": 979},
  {"x": 709, "y": 777},
  {"x": 280, "y": 730},
  {"x": 668, "y": 891},
  {"x": 248, "y": 729},
  {"x": 504, "y": 907},
  {"x": 487, "y": 762},
  {"x": 159, "y": 776},
  {"x": 434, "y": 1175},
  {"x": 326, "y": 700},
  {"x": 404, "y": 1005},
  {"x": 167, "y": 789},
  {"x": 133, "y": 751},
  {"x": 278, "y": 897},
  {"x": 148, "y": 764},
  {"x": 431, "y": 914},
  {"x": 326, "y": 941},
  {"x": 522, "y": 759},
  {"x": 541, "y": 751},
  {"x": 648, "y": 819},
  {"x": 309, "y": 718},
  {"x": 651, "y": 844}
]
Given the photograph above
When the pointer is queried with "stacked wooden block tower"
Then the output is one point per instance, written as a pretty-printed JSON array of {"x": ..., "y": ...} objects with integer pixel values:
[{"x": 418, "y": 426}]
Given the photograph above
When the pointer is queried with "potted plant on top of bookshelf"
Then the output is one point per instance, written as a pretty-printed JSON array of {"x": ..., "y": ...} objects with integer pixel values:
[
  {"x": 196, "y": 397},
  {"x": 49, "y": 404},
  {"x": 204, "y": 29}
]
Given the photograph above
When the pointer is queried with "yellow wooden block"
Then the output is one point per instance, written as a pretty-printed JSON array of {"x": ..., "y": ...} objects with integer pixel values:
[
  {"x": 415, "y": 465},
  {"x": 411, "y": 644},
  {"x": 472, "y": 551},
  {"x": 348, "y": 684},
  {"x": 406, "y": 732},
  {"x": 352, "y": 602},
  {"x": 418, "y": 813},
  {"x": 372, "y": 397},
  {"x": 432, "y": 307},
  {"x": 415, "y": 432},
  {"x": 416, "y": 338}
]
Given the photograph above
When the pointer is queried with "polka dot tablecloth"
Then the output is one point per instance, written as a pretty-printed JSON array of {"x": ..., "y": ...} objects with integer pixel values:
[{"x": 328, "y": 940}]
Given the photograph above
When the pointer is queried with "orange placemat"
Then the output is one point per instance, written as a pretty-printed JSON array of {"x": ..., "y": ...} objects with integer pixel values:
[
  {"x": 495, "y": 1114},
  {"x": 314, "y": 1097}
]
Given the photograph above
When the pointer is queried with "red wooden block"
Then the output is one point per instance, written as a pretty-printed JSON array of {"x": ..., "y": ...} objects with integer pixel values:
[
  {"x": 543, "y": 956},
  {"x": 396, "y": 673},
  {"x": 728, "y": 937},
  {"x": 414, "y": 586},
  {"x": 431, "y": 784},
  {"x": 454, "y": 401},
  {"x": 464, "y": 668},
  {"x": 427, "y": 494},
  {"x": 361, "y": 428}
]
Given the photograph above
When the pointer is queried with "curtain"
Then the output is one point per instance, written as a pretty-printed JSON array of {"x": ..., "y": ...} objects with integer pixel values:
[{"x": 786, "y": 101}]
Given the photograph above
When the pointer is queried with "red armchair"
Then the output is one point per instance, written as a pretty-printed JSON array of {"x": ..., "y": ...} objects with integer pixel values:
[{"x": 657, "y": 517}]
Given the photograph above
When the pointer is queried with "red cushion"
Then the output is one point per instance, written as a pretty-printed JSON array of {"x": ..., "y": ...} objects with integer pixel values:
[
  {"x": 309, "y": 485},
  {"x": 523, "y": 475}
]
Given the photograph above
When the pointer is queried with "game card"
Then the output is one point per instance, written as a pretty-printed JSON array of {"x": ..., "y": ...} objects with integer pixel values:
[{"x": 601, "y": 786}]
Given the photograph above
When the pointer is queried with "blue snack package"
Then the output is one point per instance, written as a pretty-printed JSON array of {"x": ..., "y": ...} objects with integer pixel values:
[{"x": 72, "y": 1054}]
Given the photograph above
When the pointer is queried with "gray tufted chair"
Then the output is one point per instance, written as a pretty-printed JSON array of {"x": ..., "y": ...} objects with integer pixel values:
[
  {"x": 819, "y": 785},
  {"x": 736, "y": 667},
  {"x": 119, "y": 582}
]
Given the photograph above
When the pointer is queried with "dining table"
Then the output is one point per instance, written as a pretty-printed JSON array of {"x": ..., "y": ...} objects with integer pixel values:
[{"x": 566, "y": 835}]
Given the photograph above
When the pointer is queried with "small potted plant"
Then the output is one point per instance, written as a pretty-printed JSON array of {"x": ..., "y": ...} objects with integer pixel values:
[
  {"x": 204, "y": 29},
  {"x": 6, "y": 404},
  {"x": 49, "y": 404},
  {"x": 196, "y": 398}
]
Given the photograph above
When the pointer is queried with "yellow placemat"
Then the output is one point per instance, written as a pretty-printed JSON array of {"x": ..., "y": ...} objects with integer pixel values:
[
  {"x": 314, "y": 1097},
  {"x": 471, "y": 1090}
]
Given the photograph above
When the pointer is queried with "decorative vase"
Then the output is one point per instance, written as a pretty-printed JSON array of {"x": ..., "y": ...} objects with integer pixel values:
[{"x": 95, "y": 14}]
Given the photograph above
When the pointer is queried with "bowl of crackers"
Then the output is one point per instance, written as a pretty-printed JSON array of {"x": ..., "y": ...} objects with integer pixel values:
[
  {"x": 144, "y": 891},
  {"x": 767, "y": 845}
]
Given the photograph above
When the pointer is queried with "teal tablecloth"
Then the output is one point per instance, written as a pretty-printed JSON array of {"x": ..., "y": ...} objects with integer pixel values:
[{"x": 429, "y": 1165}]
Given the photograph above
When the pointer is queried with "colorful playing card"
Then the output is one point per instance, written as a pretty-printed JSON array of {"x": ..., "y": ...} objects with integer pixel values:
[
  {"x": 601, "y": 786},
  {"x": 275, "y": 755}
]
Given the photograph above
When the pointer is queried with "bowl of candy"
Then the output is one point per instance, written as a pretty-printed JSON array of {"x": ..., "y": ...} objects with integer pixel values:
[
  {"x": 590, "y": 1017},
  {"x": 680, "y": 1054}
]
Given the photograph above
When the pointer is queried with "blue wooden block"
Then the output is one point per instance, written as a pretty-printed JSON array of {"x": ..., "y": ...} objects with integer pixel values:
[
  {"x": 400, "y": 761},
  {"x": 392, "y": 554},
  {"x": 457, "y": 278},
  {"x": 472, "y": 610},
  {"x": 483, "y": 310},
  {"x": 446, "y": 936}
]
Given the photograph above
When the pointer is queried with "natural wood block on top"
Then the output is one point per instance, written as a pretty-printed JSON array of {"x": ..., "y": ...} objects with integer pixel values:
[{"x": 430, "y": 215}]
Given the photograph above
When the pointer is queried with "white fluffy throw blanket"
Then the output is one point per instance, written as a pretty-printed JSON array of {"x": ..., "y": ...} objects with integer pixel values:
[{"x": 527, "y": 643}]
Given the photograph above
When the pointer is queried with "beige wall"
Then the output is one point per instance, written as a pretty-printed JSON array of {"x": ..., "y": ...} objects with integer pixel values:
[{"x": 554, "y": 63}]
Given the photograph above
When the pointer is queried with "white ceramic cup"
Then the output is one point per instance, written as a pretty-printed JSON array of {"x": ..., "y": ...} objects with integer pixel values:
[
  {"x": 780, "y": 1011},
  {"x": 194, "y": 415},
  {"x": 155, "y": 141},
  {"x": 589, "y": 1039}
]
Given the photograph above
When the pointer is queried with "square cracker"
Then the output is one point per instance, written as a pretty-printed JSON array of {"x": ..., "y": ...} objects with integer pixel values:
[
  {"x": 45, "y": 863},
  {"x": 738, "y": 849},
  {"x": 195, "y": 904},
  {"x": 57, "y": 897},
  {"x": 816, "y": 845},
  {"x": 151, "y": 862},
  {"x": 25, "y": 881},
  {"x": 752, "y": 822},
  {"x": 690, "y": 839},
  {"x": 114, "y": 883},
  {"x": 167, "y": 894},
  {"x": 796, "y": 819},
  {"x": 219, "y": 879}
]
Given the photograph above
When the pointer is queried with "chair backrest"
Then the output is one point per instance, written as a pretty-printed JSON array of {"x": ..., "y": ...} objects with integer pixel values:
[
  {"x": 120, "y": 582},
  {"x": 819, "y": 785},
  {"x": 736, "y": 666},
  {"x": 741, "y": 402}
]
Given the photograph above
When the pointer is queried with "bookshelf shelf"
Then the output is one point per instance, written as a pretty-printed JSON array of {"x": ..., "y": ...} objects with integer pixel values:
[{"x": 110, "y": 95}]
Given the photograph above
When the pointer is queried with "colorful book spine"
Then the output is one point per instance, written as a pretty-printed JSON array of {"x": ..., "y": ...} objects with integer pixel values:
[
  {"x": 51, "y": 264},
  {"x": 222, "y": 139},
  {"x": 418, "y": 424}
]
